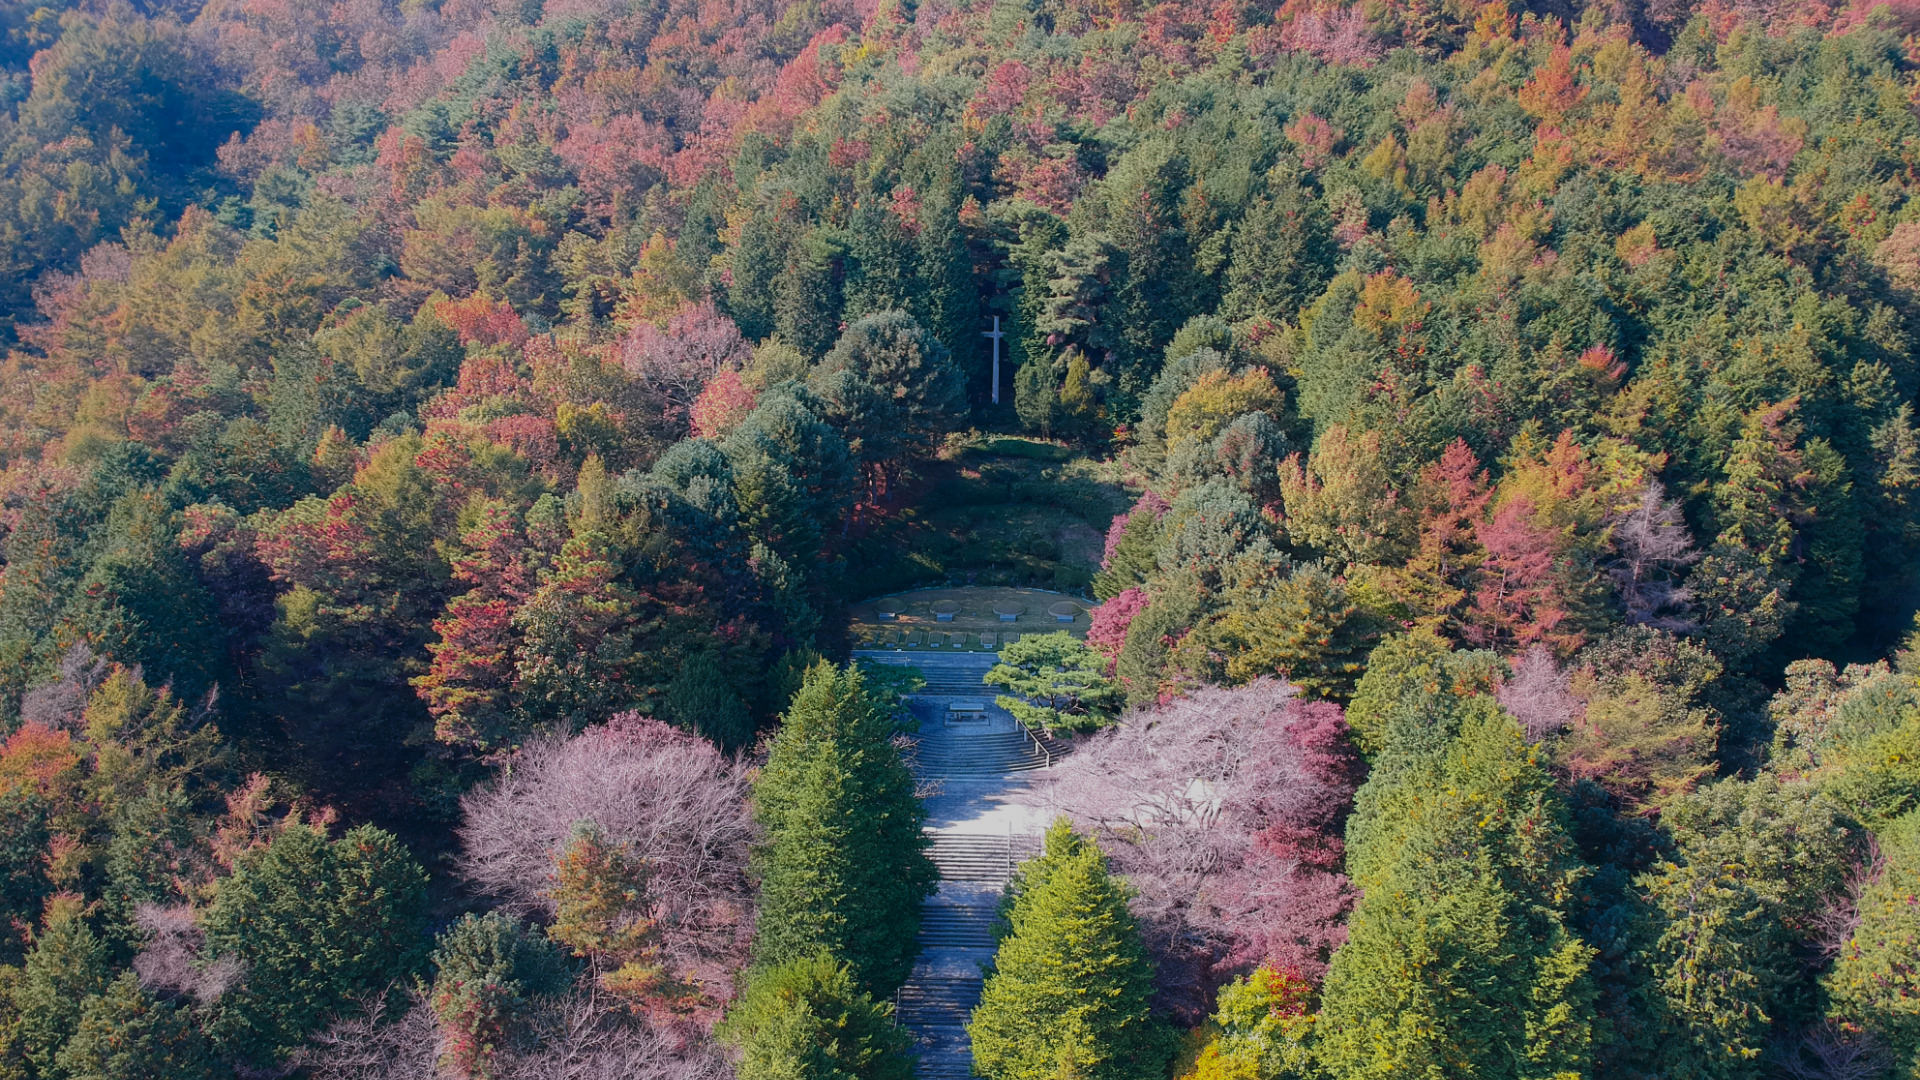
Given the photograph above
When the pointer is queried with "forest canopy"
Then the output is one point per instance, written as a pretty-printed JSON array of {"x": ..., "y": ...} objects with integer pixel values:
[{"x": 441, "y": 441}]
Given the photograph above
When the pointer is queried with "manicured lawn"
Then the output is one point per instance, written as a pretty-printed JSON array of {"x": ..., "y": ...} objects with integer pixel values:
[{"x": 976, "y": 625}]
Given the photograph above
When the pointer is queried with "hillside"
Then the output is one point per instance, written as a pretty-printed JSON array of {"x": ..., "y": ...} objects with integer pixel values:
[{"x": 450, "y": 451}]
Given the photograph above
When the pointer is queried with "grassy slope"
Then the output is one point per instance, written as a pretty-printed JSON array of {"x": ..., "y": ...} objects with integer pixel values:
[{"x": 994, "y": 510}]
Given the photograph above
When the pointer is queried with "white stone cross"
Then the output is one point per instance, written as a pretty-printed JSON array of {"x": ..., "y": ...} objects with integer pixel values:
[{"x": 996, "y": 335}]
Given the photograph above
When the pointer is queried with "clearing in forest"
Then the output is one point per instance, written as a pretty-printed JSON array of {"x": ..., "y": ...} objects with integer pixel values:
[{"x": 967, "y": 618}]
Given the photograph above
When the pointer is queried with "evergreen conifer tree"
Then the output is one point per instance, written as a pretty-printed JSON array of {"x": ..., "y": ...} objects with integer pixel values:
[
  {"x": 806, "y": 295},
  {"x": 1060, "y": 682},
  {"x": 1303, "y": 628},
  {"x": 578, "y": 631},
  {"x": 487, "y": 969},
  {"x": 1133, "y": 560},
  {"x": 952, "y": 298},
  {"x": 911, "y": 369},
  {"x": 754, "y": 264},
  {"x": 319, "y": 925},
  {"x": 1458, "y": 960},
  {"x": 843, "y": 867},
  {"x": 1143, "y": 665},
  {"x": 1282, "y": 252},
  {"x": 1036, "y": 394},
  {"x": 1875, "y": 982},
  {"x": 68, "y": 964},
  {"x": 24, "y": 886},
  {"x": 1071, "y": 982},
  {"x": 883, "y": 272},
  {"x": 806, "y": 1020},
  {"x": 124, "y": 1034},
  {"x": 701, "y": 698}
]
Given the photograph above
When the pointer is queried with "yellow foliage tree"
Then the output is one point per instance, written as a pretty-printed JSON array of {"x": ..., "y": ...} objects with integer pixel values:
[{"x": 1216, "y": 401}]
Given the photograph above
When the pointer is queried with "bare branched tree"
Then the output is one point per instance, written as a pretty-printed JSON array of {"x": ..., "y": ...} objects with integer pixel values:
[
  {"x": 59, "y": 704},
  {"x": 580, "y": 1037},
  {"x": 373, "y": 1045},
  {"x": 1831, "y": 1052},
  {"x": 672, "y": 798},
  {"x": 1537, "y": 695},
  {"x": 1217, "y": 807},
  {"x": 1651, "y": 546},
  {"x": 1834, "y": 926},
  {"x": 172, "y": 960},
  {"x": 575, "y": 1036},
  {"x": 674, "y": 364}
]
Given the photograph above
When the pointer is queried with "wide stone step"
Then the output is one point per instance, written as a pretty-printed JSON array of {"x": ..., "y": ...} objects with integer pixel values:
[
  {"x": 957, "y": 927},
  {"x": 1011, "y": 762},
  {"x": 986, "y": 859},
  {"x": 976, "y": 762},
  {"x": 949, "y": 1016},
  {"x": 940, "y": 992},
  {"x": 979, "y": 873},
  {"x": 959, "y": 935},
  {"x": 1009, "y": 752},
  {"x": 958, "y": 738},
  {"x": 955, "y": 1016}
]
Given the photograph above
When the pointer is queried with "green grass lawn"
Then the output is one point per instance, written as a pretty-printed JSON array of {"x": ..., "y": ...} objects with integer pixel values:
[{"x": 975, "y": 626}]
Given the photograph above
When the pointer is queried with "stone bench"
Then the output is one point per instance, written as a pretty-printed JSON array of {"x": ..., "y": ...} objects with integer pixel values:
[{"x": 966, "y": 712}]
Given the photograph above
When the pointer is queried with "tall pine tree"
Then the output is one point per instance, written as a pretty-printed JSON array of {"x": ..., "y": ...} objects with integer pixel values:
[
  {"x": 1068, "y": 995},
  {"x": 68, "y": 965},
  {"x": 844, "y": 867},
  {"x": 1458, "y": 961},
  {"x": 952, "y": 298}
]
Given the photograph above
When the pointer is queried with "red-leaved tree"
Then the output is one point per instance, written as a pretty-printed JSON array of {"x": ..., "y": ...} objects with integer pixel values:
[
  {"x": 1107, "y": 627},
  {"x": 721, "y": 406},
  {"x": 1517, "y": 601},
  {"x": 468, "y": 687}
]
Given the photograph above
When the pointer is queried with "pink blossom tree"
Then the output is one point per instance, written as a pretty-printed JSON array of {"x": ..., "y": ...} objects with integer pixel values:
[
  {"x": 1223, "y": 809},
  {"x": 675, "y": 802},
  {"x": 674, "y": 365}
]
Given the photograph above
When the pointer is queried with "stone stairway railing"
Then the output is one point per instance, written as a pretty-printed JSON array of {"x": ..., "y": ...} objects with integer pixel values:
[{"x": 982, "y": 754}]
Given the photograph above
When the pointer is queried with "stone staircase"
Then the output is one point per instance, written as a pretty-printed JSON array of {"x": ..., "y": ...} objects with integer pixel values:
[
  {"x": 966, "y": 751},
  {"x": 985, "y": 860},
  {"x": 984, "y": 755},
  {"x": 957, "y": 923},
  {"x": 956, "y": 940},
  {"x": 955, "y": 926}
]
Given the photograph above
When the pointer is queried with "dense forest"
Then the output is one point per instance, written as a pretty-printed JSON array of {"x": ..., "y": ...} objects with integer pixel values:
[{"x": 441, "y": 440}]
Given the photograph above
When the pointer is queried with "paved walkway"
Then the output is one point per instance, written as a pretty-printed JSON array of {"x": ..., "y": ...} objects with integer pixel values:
[{"x": 981, "y": 829}]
